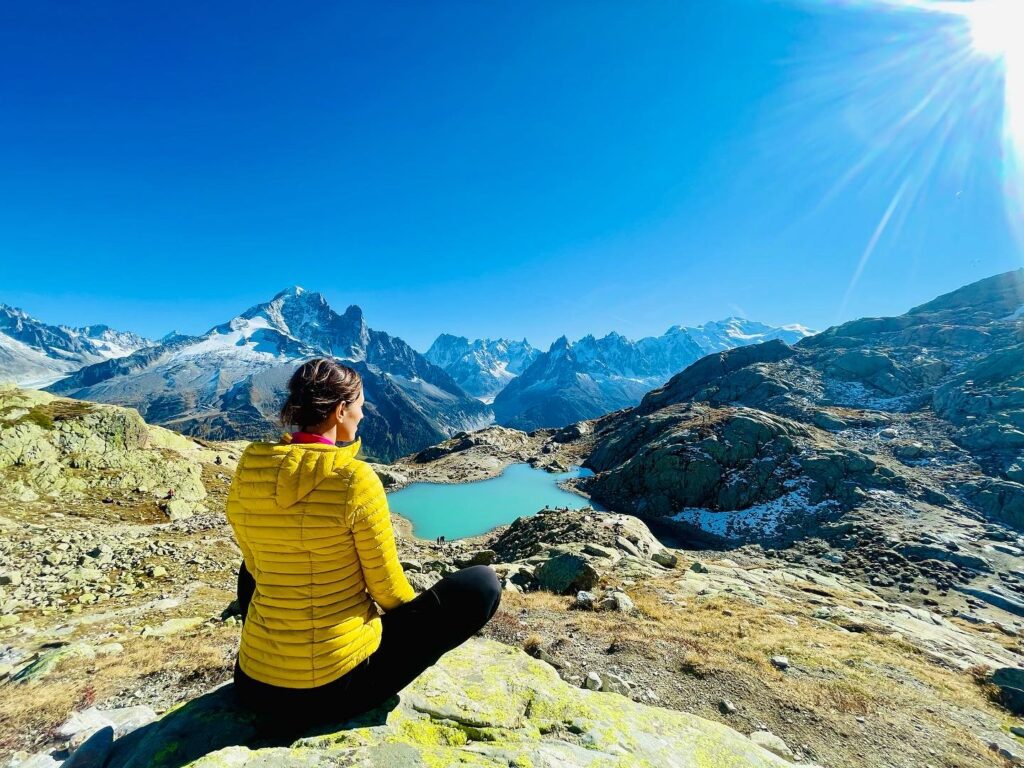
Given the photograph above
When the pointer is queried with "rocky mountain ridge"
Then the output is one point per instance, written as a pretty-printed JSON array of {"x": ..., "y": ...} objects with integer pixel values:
[
  {"x": 482, "y": 367},
  {"x": 895, "y": 442},
  {"x": 33, "y": 353},
  {"x": 230, "y": 382},
  {"x": 590, "y": 377}
]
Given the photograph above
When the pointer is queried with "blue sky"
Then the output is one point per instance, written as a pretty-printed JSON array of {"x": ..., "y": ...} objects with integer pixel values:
[{"x": 493, "y": 169}]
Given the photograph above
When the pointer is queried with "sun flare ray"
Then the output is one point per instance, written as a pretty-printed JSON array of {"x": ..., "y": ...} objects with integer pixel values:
[{"x": 971, "y": 70}]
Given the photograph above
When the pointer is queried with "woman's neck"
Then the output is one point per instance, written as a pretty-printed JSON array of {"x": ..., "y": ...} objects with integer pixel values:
[{"x": 330, "y": 434}]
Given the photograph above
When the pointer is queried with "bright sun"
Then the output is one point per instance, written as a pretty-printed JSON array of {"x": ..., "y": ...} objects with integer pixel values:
[
  {"x": 992, "y": 35},
  {"x": 996, "y": 26}
]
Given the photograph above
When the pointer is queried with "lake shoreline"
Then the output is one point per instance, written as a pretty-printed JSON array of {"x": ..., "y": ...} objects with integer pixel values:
[
  {"x": 493, "y": 451},
  {"x": 405, "y": 526}
]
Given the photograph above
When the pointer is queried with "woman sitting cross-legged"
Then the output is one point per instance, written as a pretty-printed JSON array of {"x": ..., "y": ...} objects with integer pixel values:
[{"x": 319, "y": 552}]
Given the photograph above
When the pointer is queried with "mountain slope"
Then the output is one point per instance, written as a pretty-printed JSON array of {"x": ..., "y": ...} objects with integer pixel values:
[
  {"x": 35, "y": 354},
  {"x": 898, "y": 441},
  {"x": 230, "y": 381},
  {"x": 592, "y": 376}
]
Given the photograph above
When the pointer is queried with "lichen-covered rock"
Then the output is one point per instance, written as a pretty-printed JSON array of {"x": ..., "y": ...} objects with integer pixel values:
[
  {"x": 51, "y": 446},
  {"x": 484, "y": 704}
]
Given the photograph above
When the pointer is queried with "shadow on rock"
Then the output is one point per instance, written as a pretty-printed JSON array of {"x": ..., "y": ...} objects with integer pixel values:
[{"x": 217, "y": 720}]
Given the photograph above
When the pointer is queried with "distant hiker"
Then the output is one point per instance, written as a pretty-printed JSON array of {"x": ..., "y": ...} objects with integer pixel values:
[
  {"x": 170, "y": 493},
  {"x": 318, "y": 550}
]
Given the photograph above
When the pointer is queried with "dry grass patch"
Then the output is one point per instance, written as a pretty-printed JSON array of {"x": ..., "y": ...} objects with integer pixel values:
[
  {"x": 874, "y": 691},
  {"x": 32, "y": 710}
]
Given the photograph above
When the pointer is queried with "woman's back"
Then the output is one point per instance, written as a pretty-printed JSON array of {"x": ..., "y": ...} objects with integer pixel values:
[{"x": 313, "y": 525}]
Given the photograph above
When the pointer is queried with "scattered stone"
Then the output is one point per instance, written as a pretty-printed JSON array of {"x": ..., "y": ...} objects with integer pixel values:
[
  {"x": 12, "y": 578},
  {"x": 547, "y": 658},
  {"x": 627, "y": 546},
  {"x": 483, "y": 557},
  {"x": 41, "y": 760},
  {"x": 421, "y": 582},
  {"x": 593, "y": 681},
  {"x": 179, "y": 509},
  {"x": 173, "y": 627},
  {"x": 773, "y": 743},
  {"x": 585, "y": 599},
  {"x": 780, "y": 662},
  {"x": 49, "y": 659},
  {"x": 599, "y": 551},
  {"x": 156, "y": 571},
  {"x": 727, "y": 707},
  {"x": 665, "y": 558},
  {"x": 617, "y": 601},
  {"x": 612, "y": 683},
  {"x": 81, "y": 725}
]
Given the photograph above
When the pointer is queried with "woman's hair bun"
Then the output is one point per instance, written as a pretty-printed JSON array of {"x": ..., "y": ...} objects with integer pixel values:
[{"x": 316, "y": 389}]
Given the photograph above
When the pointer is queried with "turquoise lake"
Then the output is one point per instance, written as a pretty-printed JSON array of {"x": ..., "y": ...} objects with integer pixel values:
[{"x": 456, "y": 510}]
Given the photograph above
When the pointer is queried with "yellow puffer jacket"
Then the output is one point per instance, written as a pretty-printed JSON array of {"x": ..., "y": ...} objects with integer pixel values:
[{"x": 313, "y": 525}]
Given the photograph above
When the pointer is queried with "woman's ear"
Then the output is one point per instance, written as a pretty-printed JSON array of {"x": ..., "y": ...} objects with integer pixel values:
[{"x": 339, "y": 411}]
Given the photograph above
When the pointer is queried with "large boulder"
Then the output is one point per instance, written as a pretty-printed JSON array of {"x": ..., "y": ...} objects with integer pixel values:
[
  {"x": 484, "y": 704},
  {"x": 52, "y": 446},
  {"x": 532, "y": 535},
  {"x": 566, "y": 573},
  {"x": 999, "y": 500},
  {"x": 1010, "y": 682}
]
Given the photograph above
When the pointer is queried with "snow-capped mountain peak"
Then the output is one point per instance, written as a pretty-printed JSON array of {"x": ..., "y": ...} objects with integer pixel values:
[
  {"x": 229, "y": 382},
  {"x": 34, "y": 354},
  {"x": 482, "y": 367}
]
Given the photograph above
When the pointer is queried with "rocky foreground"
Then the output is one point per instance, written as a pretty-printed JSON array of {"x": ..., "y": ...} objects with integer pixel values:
[
  {"x": 484, "y": 704},
  {"x": 613, "y": 647}
]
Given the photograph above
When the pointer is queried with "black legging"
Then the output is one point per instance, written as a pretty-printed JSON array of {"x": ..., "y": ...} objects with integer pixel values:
[{"x": 414, "y": 636}]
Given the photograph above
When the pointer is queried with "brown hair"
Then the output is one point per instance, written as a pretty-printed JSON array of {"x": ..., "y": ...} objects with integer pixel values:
[{"x": 315, "y": 390}]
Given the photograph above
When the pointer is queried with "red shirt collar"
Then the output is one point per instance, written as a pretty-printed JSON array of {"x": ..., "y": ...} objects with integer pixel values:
[{"x": 310, "y": 437}]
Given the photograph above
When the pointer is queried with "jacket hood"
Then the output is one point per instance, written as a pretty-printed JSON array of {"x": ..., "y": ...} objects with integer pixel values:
[{"x": 303, "y": 466}]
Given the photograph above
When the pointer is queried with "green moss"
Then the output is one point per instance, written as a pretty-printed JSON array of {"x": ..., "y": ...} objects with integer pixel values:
[
  {"x": 61, "y": 410},
  {"x": 430, "y": 732},
  {"x": 39, "y": 416},
  {"x": 46, "y": 415}
]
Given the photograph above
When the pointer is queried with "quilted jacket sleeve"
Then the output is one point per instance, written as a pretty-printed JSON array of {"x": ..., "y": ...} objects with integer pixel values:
[
  {"x": 375, "y": 545},
  {"x": 232, "y": 508}
]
